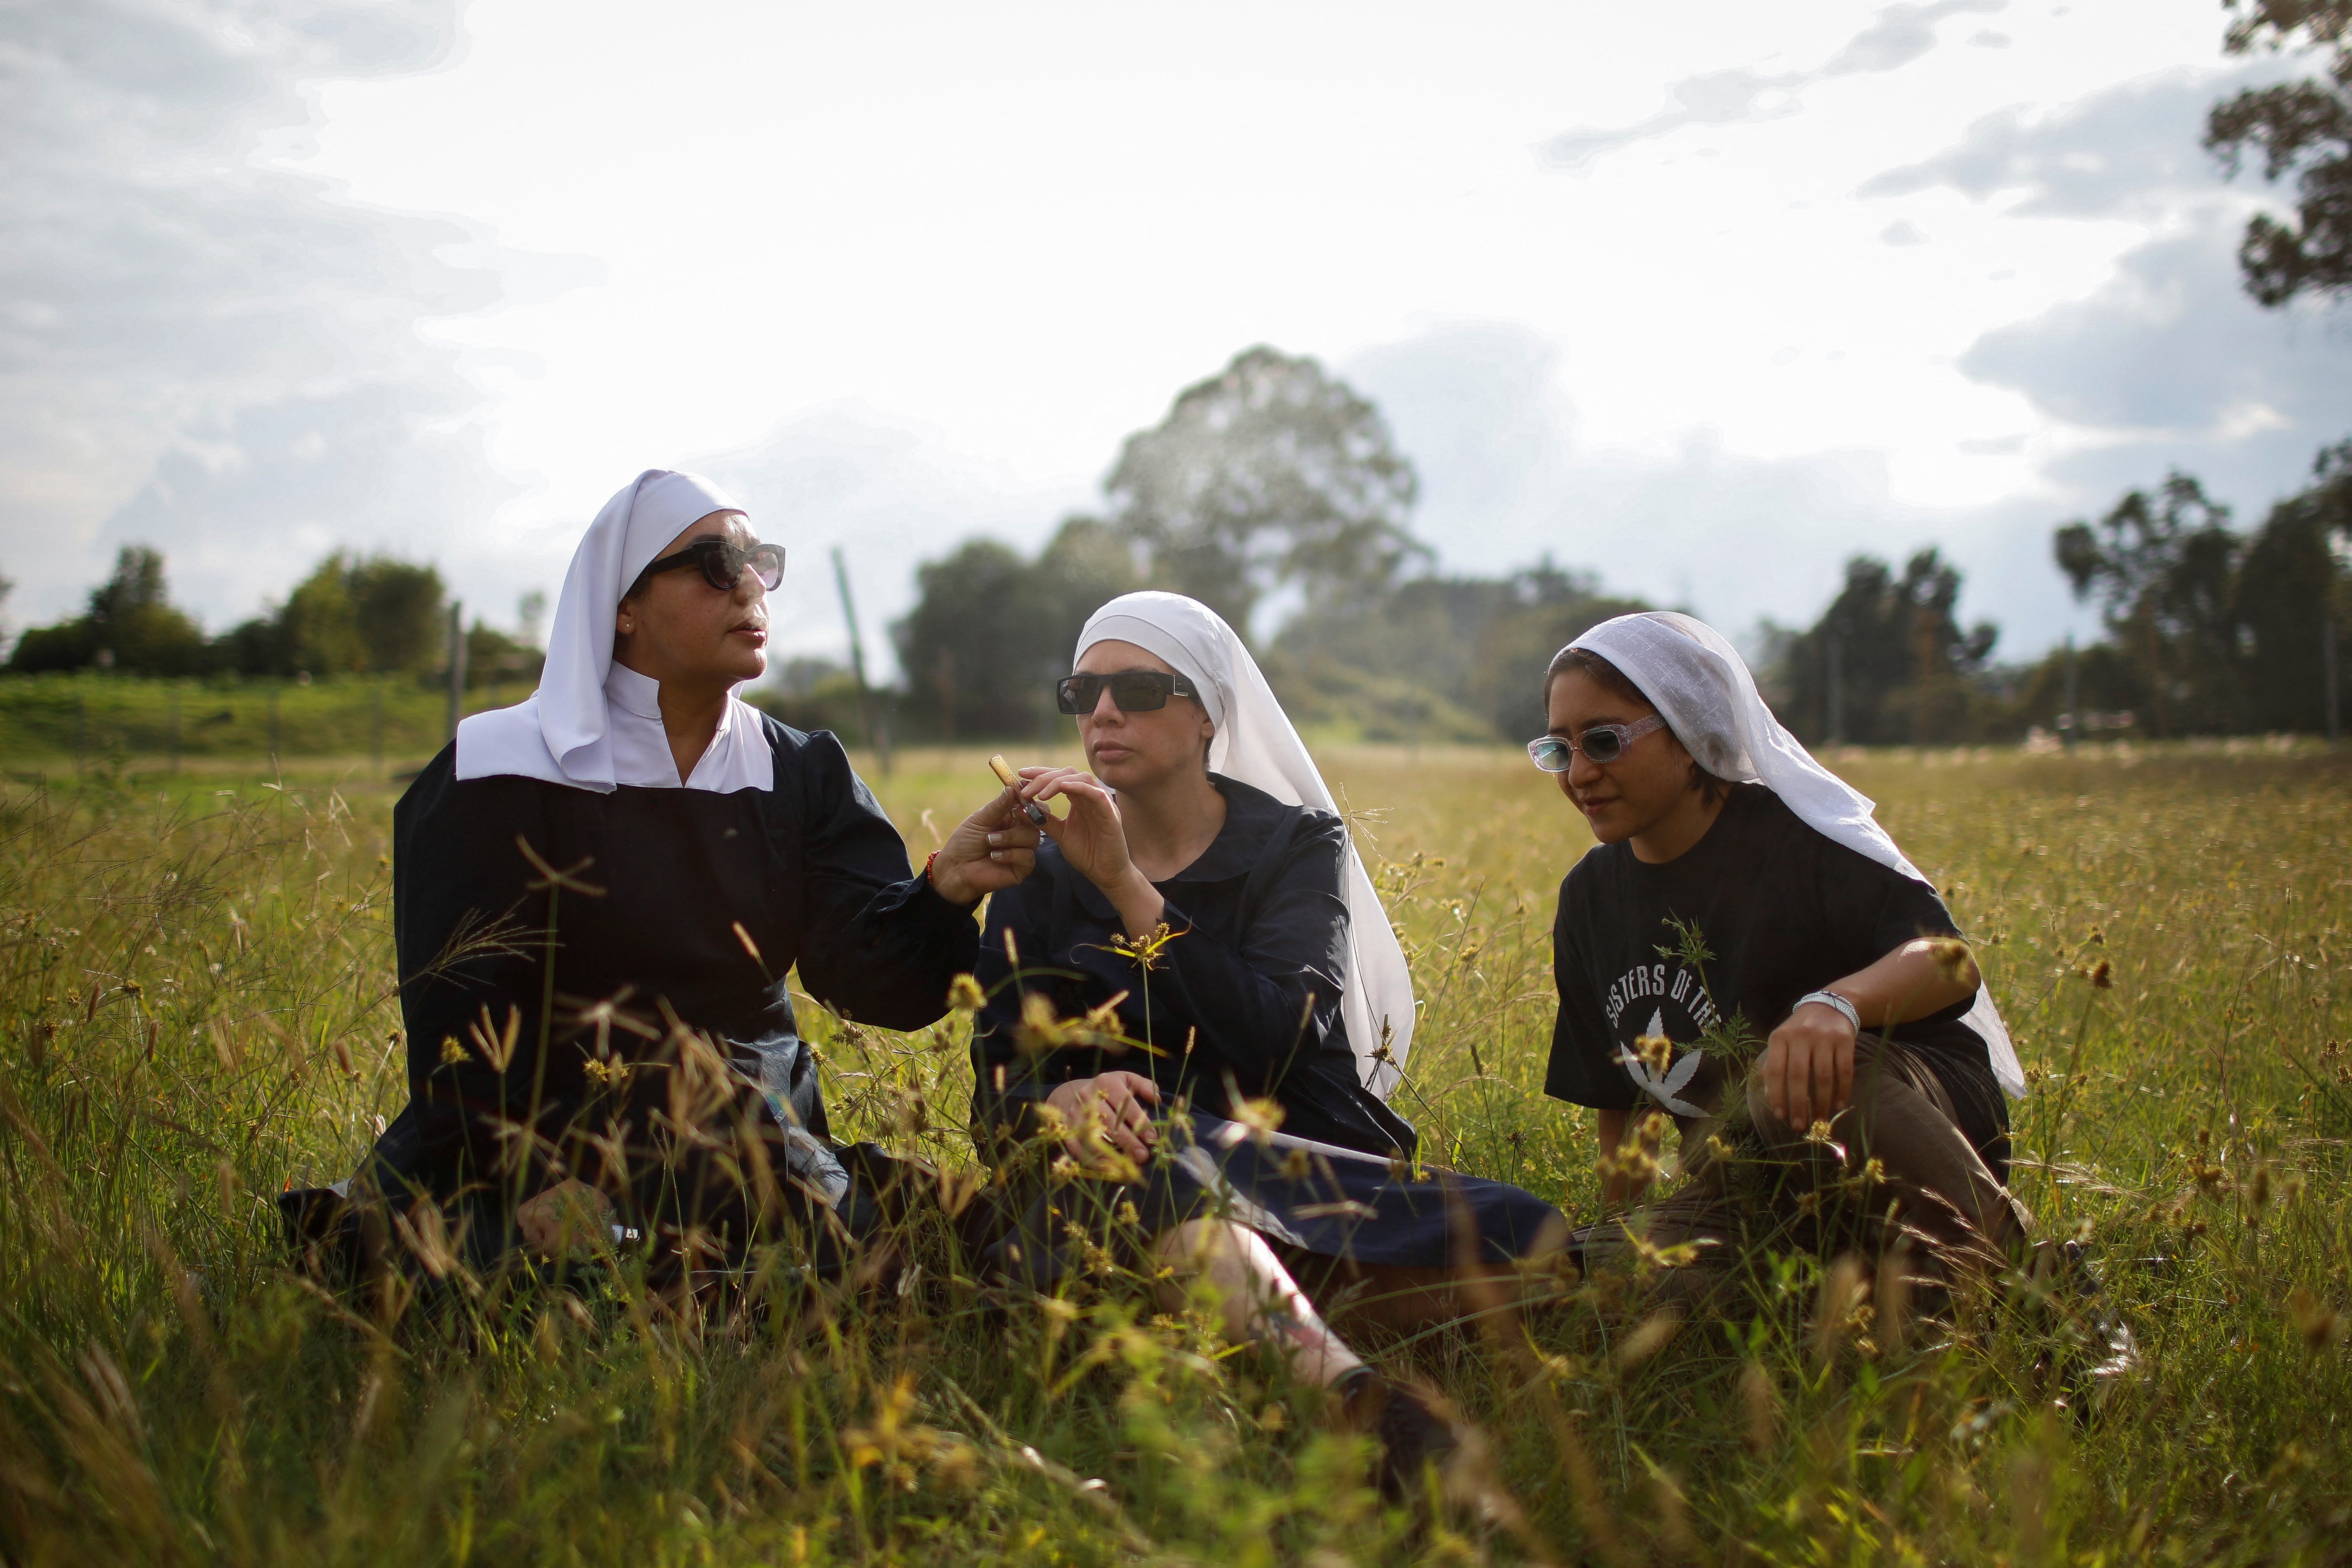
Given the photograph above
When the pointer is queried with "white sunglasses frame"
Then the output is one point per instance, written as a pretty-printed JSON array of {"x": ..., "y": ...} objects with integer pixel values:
[{"x": 1626, "y": 735}]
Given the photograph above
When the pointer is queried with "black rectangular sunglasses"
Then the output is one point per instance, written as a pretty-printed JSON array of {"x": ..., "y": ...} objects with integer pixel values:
[
  {"x": 1135, "y": 690},
  {"x": 722, "y": 565}
]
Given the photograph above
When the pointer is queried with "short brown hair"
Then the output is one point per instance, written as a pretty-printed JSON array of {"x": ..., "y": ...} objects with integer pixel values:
[{"x": 1616, "y": 682}]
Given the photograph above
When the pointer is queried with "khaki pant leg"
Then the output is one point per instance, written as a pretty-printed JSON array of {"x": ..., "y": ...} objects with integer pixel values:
[
  {"x": 1700, "y": 1216},
  {"x": 1928, "y": 1183}
]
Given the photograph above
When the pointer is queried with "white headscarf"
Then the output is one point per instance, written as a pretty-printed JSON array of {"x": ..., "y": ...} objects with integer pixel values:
[
  {"x": 1703, "y": 690},
  {"x": 595, "y": 724},
  {"x": 1256, "y": 744}
]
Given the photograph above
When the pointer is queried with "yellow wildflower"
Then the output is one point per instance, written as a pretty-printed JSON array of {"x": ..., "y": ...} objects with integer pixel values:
[{"x": 1144, "y": 952}]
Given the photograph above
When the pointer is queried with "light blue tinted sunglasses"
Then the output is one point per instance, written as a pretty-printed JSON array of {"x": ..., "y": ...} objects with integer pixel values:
[{"x": 1603, "y": 743}]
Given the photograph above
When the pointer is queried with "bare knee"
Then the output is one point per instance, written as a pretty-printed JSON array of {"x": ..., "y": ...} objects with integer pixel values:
[{"x": 1198, "y": 1247}]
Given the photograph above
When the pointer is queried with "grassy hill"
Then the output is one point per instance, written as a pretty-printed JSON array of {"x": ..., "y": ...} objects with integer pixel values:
[{"x": 53, "y": 723}]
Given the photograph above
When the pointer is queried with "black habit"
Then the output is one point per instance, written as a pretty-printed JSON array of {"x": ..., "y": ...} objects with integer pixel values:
[
  {"x": 1243, "y": 996},
  {"x": 671, "y": 911}
]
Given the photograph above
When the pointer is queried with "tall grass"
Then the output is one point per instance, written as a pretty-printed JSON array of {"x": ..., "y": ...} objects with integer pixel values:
[{"x": 196, "y": 1007}]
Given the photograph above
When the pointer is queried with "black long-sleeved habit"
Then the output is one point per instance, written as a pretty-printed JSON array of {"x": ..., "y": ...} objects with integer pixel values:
[
  {"x": 704, "y": 902},
  {"x": 1247, "y": 992}
]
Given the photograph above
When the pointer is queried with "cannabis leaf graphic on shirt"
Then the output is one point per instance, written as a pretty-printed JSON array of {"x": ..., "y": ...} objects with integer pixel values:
[{"x": 1664, "y": 1087}]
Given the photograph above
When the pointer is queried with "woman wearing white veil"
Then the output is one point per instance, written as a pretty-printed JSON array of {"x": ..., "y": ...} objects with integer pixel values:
[
  {"x": 1740, "y": 895},
  {"x": 1240, "y": 1002},
  {"x": 597, "y": 895}
]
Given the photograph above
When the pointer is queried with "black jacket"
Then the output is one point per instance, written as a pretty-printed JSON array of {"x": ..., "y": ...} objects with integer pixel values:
[
  {"x": 1245, "y": 995},
  {"x": 701, "y": 904}
]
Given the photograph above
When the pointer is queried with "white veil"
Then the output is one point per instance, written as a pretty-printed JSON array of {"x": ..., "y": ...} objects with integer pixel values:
[
  {"x": 1256, "y": 744},
  {"x": 1702, "y": 688},
  {"x": 566, "y": 731}
]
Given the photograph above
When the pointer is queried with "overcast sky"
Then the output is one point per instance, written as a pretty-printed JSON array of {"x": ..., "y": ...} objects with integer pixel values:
[{"x": 1705, "y": 301}]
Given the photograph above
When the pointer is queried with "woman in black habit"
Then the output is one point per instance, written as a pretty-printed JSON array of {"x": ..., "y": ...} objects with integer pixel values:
[
  {"x": 597, "y": 895},
  {"x": 1198, "y": 998}
]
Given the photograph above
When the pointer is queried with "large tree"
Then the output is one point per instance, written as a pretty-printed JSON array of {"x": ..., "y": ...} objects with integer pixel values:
[
  {"x": 398, "y": 610},
  {"x": 2217, "y": 632},
  {"x": 1270, "y": 472},
  {"x": 991, "y": 630},
  {"x": 1888, "y": 661},
  {"x": 2292, "y": 593},
  {"x": 2163, "y": 565},
  {"x": 348, "y": 616},
  {"x": 2302, "y": 128}
]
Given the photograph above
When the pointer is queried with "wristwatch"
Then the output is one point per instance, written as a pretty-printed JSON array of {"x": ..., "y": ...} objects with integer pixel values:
[{"x": 1831, "y": 999}]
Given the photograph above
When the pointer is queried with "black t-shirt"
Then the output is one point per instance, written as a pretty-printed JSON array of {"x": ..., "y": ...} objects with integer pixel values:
[{"x": 1782, "y": 910}]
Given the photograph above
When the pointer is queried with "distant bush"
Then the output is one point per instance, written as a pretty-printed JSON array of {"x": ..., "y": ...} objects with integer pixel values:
[
  {"x": 130, "y": 625},
  {"x": 350, "y": 615}
]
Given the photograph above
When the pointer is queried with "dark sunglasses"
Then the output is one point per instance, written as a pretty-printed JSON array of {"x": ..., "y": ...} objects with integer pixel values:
[
  {"x": 1601, "y": 743},
  {"x": 1135, "y": 690},
  {"x": 722, "y": 565}
]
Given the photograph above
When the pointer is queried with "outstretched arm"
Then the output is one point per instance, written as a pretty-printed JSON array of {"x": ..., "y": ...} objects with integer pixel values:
[{"x": 882, "y": 945}]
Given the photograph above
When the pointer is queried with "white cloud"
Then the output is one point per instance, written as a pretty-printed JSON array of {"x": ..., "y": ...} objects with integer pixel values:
[
  {"x": 1718, "y": 98},
  {"x": 2131, "y": 151},
  {"x": 1901, "y": 34},
  {"x": 1482, "y": 408},
  {"x": 2166, "y": 363},
  {"x": 213, "y": 356},
  {"x": 1898, "y": 36},
  {"x": 885, "y": 494}
]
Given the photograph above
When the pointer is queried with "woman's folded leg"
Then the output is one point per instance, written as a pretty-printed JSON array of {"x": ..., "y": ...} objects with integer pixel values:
[{"x": 1895, "y": 1158}]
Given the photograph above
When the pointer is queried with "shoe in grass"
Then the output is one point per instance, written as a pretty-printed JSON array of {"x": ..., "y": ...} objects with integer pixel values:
[{"x": 1412, "y": 1430}]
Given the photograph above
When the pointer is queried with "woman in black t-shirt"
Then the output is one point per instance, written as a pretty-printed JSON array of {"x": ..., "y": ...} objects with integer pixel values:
[{"x": 1714, "y": 917}]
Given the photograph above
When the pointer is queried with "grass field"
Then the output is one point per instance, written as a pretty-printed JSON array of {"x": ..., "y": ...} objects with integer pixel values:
[
  {"x": 54, "y": 725},
  {"x": 196, "y": 1007}
]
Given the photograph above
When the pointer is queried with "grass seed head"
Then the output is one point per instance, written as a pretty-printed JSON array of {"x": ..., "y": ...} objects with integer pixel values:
[
  {"x": 1041, "y": 1028},
  {"x": 1260, "y": 1118},
  {"x": 1761, "y": 1404},
  {"x": 1647, "y": 1339},
  {"x": 2320, "y": 1324},
  {"x": 1656, "y": 1052}
]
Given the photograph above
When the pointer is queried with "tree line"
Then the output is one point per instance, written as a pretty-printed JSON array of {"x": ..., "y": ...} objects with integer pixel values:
[
  {"x": 1273, "y": 479},
  {"x": 351, "y": 616},
  {"x": 2208, "y": 630}
]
